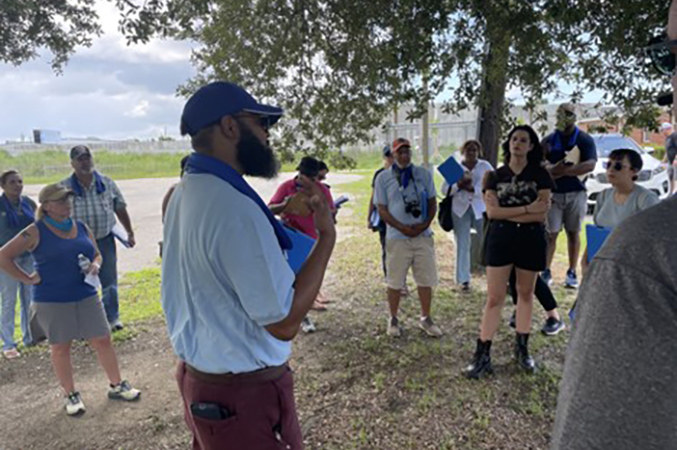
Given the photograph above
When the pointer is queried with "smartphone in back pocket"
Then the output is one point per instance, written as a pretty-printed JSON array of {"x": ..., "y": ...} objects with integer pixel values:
[{"x": 209, "y": 411}]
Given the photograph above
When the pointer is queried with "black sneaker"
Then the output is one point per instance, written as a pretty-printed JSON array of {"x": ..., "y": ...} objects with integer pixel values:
[
  {"x": 546, "y": 276},
  {"x": 571, "y": 281},
  {"x": 465, "y": 287},
  {"x": 116, "y": 326},
  {"x": 552, "y": 326}
]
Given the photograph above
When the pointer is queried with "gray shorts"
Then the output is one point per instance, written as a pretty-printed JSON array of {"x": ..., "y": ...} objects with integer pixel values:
[
  {"x": 567, "y": 210},
  {"x": 66, "y": 322}
]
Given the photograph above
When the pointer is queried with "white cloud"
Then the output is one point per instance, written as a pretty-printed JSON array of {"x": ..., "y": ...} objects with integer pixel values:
[
  {"x": 140, "y": 110},
  {"x": 112, "y": 45},
  {"x": 110, "y": 90}
]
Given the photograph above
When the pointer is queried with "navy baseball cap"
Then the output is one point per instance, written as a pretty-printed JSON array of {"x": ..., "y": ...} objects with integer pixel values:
[{"x": 218, "y": 99}]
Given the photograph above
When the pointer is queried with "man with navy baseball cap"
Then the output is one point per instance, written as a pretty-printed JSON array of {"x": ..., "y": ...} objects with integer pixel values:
[{"x": 231, "y": 301}]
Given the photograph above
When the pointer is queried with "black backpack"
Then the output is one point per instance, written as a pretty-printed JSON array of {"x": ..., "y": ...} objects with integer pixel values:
[{"x": 444, "y": 212}]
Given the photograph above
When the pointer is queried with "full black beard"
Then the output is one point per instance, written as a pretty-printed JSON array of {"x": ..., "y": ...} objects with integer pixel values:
[{"x": 255, "y": 158}]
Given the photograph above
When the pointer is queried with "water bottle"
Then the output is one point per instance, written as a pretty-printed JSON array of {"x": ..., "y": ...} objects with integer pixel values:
[{"x": 84, "y": 263}]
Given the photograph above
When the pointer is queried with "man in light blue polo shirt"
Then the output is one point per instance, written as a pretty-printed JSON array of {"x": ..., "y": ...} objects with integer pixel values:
[
  {"x": 232, "y": 302},
  {"x": 406, "y": 200}
]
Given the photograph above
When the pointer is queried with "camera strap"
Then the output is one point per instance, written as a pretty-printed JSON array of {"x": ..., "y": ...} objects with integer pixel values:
[{"x": 398, "y": 174}]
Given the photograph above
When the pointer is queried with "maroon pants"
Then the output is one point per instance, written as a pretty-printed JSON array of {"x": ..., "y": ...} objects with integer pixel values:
[{"x": 262, "y": 411}]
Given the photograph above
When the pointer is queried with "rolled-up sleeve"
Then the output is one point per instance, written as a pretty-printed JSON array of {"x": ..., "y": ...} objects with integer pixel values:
[
  {"x": 380, "y": 194},
  {"x": 118, "y": 199},
  {"x": 430, "y": 185}
]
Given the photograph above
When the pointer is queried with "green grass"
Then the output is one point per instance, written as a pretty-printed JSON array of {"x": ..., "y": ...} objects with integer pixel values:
[
  {"x": 360, "y": 389},
  {"x": 50, "y": 166},
  {"x": 140, "y": 295}
]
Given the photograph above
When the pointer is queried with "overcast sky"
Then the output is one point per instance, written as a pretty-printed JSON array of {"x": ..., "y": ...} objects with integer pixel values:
[{"x": 109, "y": 90}]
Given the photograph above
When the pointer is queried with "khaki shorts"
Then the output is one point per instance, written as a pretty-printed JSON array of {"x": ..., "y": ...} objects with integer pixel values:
[
  {"x": 568, "y": 211},
  {"x": 417, "y": 253}
]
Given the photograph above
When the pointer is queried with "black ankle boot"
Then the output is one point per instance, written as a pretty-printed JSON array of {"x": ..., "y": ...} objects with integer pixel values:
[
  {"x": 481, "y": 362},
  {"x": 525, "y": 361}
]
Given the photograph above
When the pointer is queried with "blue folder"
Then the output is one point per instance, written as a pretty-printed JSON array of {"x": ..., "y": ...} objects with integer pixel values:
[
  {"x": 340, "y": 201},
  {"x": 451, "y": 170},
  {"x": 596, "y": 237},
  {"x": 375, "y": 218},
  {"x": 302, "y": 245}
]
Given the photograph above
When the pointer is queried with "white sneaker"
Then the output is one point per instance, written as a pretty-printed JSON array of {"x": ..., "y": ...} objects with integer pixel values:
[
  {"x": 74, "y": 405},
  {"x": 124, "y": 391},
  {"x": 394, "y": 329},
  {"x": 571, "y": 281},
  {"x": 429, "y": 327},
  {"x": 307, "y": 325}
]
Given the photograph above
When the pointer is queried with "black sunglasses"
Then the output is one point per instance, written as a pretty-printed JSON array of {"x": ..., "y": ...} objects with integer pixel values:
[
  {"x": 659, "y": 51},
  {"x": 617, "y": 166},
  {"x": 263, "y": 121}
]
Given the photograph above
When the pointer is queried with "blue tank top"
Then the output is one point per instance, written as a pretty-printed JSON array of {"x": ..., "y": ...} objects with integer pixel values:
[{"x": 56, "y": 261}]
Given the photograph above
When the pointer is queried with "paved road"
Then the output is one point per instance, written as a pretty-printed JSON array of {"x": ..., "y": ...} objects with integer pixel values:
[{"x": 144, "y": 197}]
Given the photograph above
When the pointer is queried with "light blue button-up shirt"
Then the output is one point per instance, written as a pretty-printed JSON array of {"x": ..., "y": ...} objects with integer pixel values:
[
  {"x": 224, "y": 278},
  {"x": 388, "y": 192}
]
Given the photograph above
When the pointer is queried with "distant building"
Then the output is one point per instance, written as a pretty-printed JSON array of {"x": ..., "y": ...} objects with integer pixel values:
[
  {"x": 46, "y": 137},
  {"x": 642, "y": 136}
]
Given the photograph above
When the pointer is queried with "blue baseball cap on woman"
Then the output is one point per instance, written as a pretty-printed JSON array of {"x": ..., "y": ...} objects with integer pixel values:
[{"x": 218, "y": 99}]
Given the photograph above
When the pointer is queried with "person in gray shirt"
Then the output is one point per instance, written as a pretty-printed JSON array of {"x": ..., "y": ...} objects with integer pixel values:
[
  {"x": 625, "y": 198},
  {"x": 406, "y": 200},
  {"x": 619, "y": 388},
  {"x": 670, "y": 151}
]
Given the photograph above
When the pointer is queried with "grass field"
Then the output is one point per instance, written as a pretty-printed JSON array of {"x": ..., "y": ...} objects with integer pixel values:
[
  {"x": 50, "y": 166},
  {"x": 358, "y": 389}
]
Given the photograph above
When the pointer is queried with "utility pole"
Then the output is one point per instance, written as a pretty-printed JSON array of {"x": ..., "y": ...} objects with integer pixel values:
[{"x": 425, "y": 123}]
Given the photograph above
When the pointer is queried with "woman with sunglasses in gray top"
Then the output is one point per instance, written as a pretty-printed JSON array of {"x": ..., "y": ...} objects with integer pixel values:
[{"x": 625, "y": 197}]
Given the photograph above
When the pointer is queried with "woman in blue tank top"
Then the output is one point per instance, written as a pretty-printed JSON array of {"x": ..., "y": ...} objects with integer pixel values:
[{"x": 66, "y": 303}]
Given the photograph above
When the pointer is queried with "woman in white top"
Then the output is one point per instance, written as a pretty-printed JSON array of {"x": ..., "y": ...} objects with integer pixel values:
[
  {"x": 625, "y": 197},
  {"x": 467, "y": 206}
]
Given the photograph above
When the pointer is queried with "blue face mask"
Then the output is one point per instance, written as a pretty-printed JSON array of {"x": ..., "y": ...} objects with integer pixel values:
[{"x": 65, "y": 226}]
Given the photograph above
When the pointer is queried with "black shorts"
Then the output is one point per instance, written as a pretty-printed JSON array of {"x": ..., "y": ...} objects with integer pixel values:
[{"x": 523, "y": 245}]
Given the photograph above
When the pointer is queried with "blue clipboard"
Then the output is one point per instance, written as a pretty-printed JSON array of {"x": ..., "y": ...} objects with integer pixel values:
[
  {"x": 572, "y": 314},
  {"x": 302, "y": 245},
  {"x": 340, "y": 201},
  {"x": 596, "y": 237},
  {"x": 451, "y": 170},
  {"x": 375, "y": 218}
]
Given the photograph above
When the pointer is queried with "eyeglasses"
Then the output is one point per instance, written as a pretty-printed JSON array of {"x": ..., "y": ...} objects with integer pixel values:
[
  {"x": 617, "y": 166},
  {"x": 65, "y": 200},
  {"x": 263, "y": 121},
  {"x": 659, "y": 51}
]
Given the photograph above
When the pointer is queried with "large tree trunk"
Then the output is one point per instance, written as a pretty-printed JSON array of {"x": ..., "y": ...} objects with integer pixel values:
[{"x": 492, "y": 97}]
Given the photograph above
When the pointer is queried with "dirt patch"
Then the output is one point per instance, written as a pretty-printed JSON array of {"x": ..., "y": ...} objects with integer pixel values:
[
  {"x": 33, "y": 416},
  {"x": 355, "y": 388},
  {"x": 144, "y": 199}
]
